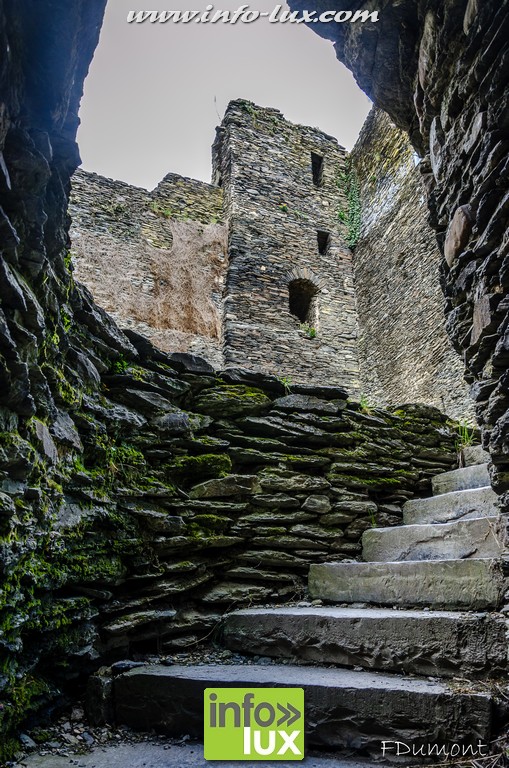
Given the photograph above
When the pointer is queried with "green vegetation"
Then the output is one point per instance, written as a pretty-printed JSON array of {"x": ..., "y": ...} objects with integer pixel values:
[
  {"x": 348, "y": 184},
  {"x": 466, "y": 436},
  {"x": 286, "y": 381},
  {"x": 366, "y": 406},
  {"x": 161, "y": 210},
  {"x": 308, "y": 330},
  {"x": 120, "y": 366},
  {"x": 66, "y": 319},
  {"x": 194, "y": 469}
]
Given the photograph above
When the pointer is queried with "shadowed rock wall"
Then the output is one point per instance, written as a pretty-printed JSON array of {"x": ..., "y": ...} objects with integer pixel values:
[{"x": 405, "y": 353}]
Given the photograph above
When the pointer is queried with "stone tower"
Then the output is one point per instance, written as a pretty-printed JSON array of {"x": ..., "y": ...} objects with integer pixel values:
[{"x": 289, "y": 302}]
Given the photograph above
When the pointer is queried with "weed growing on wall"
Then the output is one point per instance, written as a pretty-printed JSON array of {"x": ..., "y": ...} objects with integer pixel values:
[
  {"x": 466, "y": 436},
  {"x": 348, "y": 184}
]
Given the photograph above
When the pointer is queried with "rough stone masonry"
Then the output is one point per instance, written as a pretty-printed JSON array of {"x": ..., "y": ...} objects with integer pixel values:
[
  {"x": 257, "y": 267},
  {"x": 102, "y": 433},
  {"x": 440, "y": 70}
]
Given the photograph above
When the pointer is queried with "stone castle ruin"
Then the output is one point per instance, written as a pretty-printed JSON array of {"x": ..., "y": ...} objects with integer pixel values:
[
  {"x": 257, "y": 270},
  {"x": 159, "y": 513}
]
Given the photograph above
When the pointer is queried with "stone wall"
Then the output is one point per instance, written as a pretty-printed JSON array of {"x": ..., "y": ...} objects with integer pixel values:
[
  {"x": 99, "y": 431},
  {"x": 405, "y": 353},
  {"x": 154, "y": 260},
  {"x": 439, "y": 69},
  {"x": 286, "y": 232},
  {"x": 140, "y": 493}
]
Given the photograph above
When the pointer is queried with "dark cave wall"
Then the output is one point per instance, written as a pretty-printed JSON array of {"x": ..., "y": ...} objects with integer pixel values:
[{"x": 440, "y": 70}]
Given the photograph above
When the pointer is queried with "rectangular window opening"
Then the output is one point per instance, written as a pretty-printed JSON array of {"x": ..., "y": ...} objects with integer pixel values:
[
  {"x": 317, "y": 168},
  {"x": 323, "y": 241}
]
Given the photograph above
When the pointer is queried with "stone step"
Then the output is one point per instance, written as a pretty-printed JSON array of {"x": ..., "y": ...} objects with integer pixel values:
[
  {"x": 449, "y": 584},
  {"x": 476, "y": 476},
  {"x": 477, "y": 538},
  {"x": 440, "y": 643},
  {"x": 478, "y": 502},
  {"x": 150, "y": 754},
  {"x": 474, "y": 454},
  {"x": 343, "y": 708}
]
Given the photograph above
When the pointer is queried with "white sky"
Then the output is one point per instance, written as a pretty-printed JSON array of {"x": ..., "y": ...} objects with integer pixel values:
[{"x": 156, "y": 92}]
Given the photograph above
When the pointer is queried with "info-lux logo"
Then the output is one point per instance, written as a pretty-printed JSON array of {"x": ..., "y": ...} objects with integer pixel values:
[{"x": 254, "y": 724}]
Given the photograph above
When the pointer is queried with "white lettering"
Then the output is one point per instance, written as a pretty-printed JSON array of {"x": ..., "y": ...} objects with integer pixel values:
[
  {"x": 257, "y": 743},
  {"x": 288, "y": 742},
  {"x": 365, "y": 16}
]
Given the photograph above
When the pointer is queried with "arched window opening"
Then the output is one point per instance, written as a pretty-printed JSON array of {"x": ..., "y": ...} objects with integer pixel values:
[{"x": 302, "y": 300}]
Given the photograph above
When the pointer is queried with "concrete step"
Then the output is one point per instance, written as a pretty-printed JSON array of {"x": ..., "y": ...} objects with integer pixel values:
[
  {"x": 474, "y": 454},
  {"x": 476, "y": 476},
  {"x": 440, "y": 643},
  {"x": 478, "y": 502},
  {"x": 449, "y": 584},
  {"x": 343, "y": 708},
  {"x": 478, "y": 538}
]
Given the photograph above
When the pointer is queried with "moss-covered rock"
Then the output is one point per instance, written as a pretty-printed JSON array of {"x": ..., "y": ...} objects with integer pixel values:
[{"x": 228, "y": 401}]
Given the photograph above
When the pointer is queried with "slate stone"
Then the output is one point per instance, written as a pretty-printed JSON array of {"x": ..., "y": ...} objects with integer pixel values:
[
  {"x": 317, "y": 504},
  {"x": 187, "y": 363},
  {"x": 48, "y": 446},
  {"x": 291, "y": 482},
  {"x": 64, "y": 430},
  {"x": 455, "y": 505},
  {"x": 231, "y": 485},
  {"x": 252, "y": 379},
  {"x": 306, "y": 403},
  {"x": 483, "y": 537},
  {"x": 275, "y": 500},
  {"x": 475, "y": 476},
  {"x": 175, "y": 423},
  {"x": 228, "y": 402}
]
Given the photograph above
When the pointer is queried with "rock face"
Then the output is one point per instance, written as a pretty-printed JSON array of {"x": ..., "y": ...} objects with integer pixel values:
[{"x": 440, "y": 71}]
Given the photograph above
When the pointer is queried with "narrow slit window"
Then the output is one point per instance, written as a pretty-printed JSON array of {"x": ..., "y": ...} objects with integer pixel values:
[
  {"x": 323, "y": 241},
  {"x": 317, "y": 168},
  {"x": 302, "y": 300}
]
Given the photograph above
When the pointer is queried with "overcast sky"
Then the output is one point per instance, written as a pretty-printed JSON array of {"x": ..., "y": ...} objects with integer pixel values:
[{"x": 156, "y": 92}]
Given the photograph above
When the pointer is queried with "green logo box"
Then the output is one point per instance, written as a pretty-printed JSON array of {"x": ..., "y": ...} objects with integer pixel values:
[{"x": 254, "y": 724}]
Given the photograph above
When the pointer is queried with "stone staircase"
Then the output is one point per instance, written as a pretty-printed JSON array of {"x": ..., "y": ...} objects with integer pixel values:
[{"x": 406, "y": 653}]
